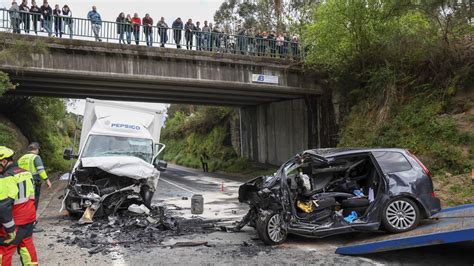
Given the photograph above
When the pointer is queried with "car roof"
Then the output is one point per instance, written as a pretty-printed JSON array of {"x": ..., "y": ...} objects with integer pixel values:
[{"x": 332, "y": 152}]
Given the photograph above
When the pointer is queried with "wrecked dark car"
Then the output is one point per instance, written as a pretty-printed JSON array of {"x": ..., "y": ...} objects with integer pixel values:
[{"x": 325, "y": 192}]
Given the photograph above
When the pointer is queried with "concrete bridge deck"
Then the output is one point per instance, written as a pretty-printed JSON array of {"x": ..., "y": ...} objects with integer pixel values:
[{"x": 79, "y": 69}]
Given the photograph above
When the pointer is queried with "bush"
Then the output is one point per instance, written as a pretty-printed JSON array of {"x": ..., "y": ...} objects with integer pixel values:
[{"x": 46, "y": 121}]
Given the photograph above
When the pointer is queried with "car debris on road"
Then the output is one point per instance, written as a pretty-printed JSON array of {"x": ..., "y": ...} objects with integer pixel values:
[{"x": 137, "y": 230}]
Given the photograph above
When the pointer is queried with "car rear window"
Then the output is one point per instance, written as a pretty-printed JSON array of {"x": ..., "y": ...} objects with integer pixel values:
[{"x": 392, "y": 162}]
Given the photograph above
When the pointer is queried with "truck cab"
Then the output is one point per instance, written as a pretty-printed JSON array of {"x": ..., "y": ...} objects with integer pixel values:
[{"x": 118, "y": 159}]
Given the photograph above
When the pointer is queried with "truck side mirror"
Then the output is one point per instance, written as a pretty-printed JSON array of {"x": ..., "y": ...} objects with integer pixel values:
[
  {"x": 160, "y": 165},
  {"x": 68, "y": 154}
]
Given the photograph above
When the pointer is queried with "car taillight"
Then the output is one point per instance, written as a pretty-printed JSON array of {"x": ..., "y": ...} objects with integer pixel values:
[
  {"x": 433, "y": 194},
  {"x": 427, "y": 172}
]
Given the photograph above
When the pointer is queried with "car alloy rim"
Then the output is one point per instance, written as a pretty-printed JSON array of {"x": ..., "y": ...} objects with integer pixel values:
[
  {"x": 401, "y": 214},
  {"x": 275, "y": 232}
]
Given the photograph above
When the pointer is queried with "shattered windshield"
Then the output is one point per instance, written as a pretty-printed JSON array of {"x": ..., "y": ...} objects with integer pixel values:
[
  {"x": 98, "y": 145},
  {"x": 291, "y": 168}
]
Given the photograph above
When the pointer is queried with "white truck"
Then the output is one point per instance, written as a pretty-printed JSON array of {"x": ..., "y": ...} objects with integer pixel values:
[{"x": 118, "y": 161}]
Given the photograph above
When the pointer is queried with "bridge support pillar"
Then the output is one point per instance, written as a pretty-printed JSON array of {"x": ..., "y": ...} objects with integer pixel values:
[{"x": 271, "y": 133}]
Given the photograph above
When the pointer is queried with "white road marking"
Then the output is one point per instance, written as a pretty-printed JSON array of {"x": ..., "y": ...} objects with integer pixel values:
[{"x": 178, "y": 186}]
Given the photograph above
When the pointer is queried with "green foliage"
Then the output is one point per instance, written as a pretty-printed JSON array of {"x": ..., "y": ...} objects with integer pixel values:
[
  {"x": 8, "y": 137},
  {"x": 418, "y": 125},
  {"x": 44, "y": 120},
  {"x": 201, "y": 121},
  {"x": 367, "y": 34},
  {"x": 5, "y": 83},
  {"x": 191, "y": 132}
]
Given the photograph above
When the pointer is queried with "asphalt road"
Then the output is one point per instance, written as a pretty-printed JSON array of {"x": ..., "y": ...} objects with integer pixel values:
[{"x": 175, "y": 189}]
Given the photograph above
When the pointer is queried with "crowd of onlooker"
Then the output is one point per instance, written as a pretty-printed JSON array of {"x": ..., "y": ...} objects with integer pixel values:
[{"x": 207, "y": 37}]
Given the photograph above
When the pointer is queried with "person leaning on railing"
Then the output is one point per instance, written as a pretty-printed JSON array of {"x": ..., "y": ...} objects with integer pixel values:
[
  {"x": 188, "y": 33},
  {"x": 67, "y": 20},
  {"x": 206, "y": 36},
  {"x": 163, "y": 31},
  {"x": 198, "y": 34},
  {"x": 147, "y": 22},
  {"x": 15, "y": 19},
  {"x": 121, "y": 27},
  {"x": 96, "y": 22},
  {"x": 47, "y": 13},
  {"x": 295, "y": 49},
  {"x": 35, "y": 16},
  {"x": 177, "y": 28},
  {"x": 136, "y": 23},
  {"x": 128, "y": 28},
  {"x": 58, "y": 21},
  {"x": 25, "y": 16}
]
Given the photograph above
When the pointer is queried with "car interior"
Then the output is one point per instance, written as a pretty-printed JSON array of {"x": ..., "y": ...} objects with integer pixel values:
[{"x": 321, "y": 191}]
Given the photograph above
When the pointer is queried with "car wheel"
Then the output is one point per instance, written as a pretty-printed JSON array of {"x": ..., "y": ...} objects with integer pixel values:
[
  {"x": 270, "y": 229},
  {"x": 400, "y": 215}
]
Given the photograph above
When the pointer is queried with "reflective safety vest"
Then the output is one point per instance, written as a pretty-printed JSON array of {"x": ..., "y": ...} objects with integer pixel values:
[
  {"x": 8, "y": 193},
  {"x": 33, "y": 163},
  {"x": 26, "y": 189},
  {"x": 23, "y": 210}
]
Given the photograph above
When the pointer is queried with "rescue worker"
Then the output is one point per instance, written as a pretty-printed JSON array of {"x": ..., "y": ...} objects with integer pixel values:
[
  {"x": 17, "y": 211},
  {"x": 32, "y": 162}
]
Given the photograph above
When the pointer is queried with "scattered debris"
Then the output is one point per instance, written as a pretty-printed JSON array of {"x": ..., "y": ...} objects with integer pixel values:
[
  {"x": 136, "y": 231},
  {"x": 189, "y": 244},
  {"x": 87, "y": 216},
  {"x": 184, "y": 198},
  {"x": 139, "y": 209}
]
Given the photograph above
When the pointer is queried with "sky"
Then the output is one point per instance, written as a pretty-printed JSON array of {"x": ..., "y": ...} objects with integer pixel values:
[{"x": 198, "y": 10}]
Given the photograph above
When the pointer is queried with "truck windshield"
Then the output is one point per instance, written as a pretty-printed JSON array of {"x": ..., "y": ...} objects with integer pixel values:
[{"x": 98, "y": 145}]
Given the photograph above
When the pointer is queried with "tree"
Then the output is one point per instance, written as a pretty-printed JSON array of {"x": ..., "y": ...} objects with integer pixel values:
[{"x": 5, "y": 83}]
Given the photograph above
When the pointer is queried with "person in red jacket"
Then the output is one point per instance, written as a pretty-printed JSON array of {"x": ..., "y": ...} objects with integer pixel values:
[
  {"x": 17, "y": 211},
  {"x": 147, "y": 22},
  {"x": 136, "y": 24}
]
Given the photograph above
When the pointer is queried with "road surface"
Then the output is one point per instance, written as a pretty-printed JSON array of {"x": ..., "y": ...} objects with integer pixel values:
[{"x": 175, "y": 188}]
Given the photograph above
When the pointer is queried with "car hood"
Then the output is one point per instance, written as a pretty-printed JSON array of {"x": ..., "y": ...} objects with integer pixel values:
[
  {"x": 127, "y": 166},
  {"x": 248, "y": 192}
]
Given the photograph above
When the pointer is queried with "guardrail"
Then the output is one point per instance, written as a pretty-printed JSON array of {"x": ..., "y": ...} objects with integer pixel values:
[{"x": 113, "y": 32}]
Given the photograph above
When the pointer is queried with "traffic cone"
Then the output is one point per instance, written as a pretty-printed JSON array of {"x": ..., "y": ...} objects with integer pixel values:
[
  {"x": 472, "y": 176},
  {"x": 222, "y": 186}
]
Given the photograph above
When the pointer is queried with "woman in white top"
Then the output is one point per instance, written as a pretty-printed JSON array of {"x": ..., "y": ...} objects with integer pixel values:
[{"x": 280, "y": 40}]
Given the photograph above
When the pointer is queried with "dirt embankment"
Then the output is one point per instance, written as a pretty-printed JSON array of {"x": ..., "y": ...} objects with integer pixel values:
[
  {"x": 11, "y": 136},
  {"x": 459, "y": 189}
]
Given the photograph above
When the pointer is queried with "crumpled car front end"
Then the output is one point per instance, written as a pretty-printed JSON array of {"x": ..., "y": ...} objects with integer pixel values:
[
  {"x": 262, "y": 194},
  {"x": 103, "y": 185}
]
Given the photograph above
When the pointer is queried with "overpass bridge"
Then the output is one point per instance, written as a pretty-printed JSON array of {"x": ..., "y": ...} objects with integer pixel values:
[{"x": 282, "y": 108}]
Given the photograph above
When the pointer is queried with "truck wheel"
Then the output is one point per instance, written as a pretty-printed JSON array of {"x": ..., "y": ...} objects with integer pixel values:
[
  {"x": 400, "y": 215},
  {"x": 270, "y": 230}
]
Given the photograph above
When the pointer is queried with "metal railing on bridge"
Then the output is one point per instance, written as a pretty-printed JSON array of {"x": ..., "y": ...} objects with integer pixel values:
[{"x": 113, "y": 32}]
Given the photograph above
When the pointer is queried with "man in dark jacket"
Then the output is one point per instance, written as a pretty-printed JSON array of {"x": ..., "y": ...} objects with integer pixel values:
[
  {"x": 163, "y": 31},
  {"x": 58, "y": 21},
  {"x": 242, "y": 43},
  {"x": 147, "y": 22},
  {"x": 188, "y": 34},
  {"x": 271, "y": 44},
  {"x": 36, "y": 16},
  {"x": 197, "y": 31},
  {"x": 120, "y": 20},
  {"x": 25, "y": 17},
  {"x": 47, "y": 13},
  {"x": 177, "y": 28}
]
